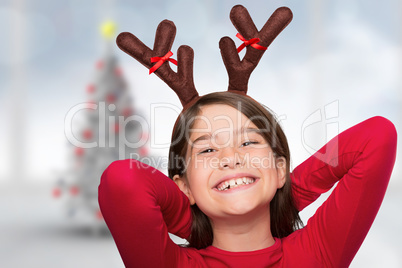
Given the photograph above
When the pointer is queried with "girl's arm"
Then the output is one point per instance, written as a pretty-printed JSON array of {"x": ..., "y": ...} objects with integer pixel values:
[
  {"x": 361, "y": 160},
  {"x": 140, "y": 206}
]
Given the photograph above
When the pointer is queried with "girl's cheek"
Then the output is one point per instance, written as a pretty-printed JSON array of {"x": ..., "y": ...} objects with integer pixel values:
[
  {"x": 205, "y": 162},
  {"x": 198, "y": 163}
]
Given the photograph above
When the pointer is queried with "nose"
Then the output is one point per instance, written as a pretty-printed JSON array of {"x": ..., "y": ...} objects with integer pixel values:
[{"x": 229, "y": 158}]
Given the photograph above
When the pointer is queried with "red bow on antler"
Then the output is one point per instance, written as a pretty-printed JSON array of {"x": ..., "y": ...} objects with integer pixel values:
[
  {"x": 160, "y": 60},
  {"x": 252, "y": 42}
]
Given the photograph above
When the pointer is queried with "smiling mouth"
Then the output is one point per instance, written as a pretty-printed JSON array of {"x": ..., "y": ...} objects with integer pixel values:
[{"x": 233, "y": 183}]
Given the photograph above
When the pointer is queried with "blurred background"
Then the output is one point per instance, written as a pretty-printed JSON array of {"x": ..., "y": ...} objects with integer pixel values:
[{"x": 64, "y": 84}]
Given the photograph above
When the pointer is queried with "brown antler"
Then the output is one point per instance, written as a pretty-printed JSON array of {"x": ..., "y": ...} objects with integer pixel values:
[
  {"x": 181, "y": 82},
  {"x": 239, "y": 71}
]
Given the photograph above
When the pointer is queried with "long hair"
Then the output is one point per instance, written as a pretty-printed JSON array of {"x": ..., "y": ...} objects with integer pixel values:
[{"x": 284, "y": 215}]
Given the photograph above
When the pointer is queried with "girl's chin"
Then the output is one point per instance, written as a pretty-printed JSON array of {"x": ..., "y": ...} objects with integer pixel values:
[
  {"x": 238, "y": 215},
  {"x": 242, "y": 208}
]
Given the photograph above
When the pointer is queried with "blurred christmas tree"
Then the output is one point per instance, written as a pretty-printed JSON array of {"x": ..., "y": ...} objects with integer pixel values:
[{"x": 108, "y": 132}]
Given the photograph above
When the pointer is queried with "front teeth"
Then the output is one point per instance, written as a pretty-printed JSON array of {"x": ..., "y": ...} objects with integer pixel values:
[{"x": 234, "y": 183}]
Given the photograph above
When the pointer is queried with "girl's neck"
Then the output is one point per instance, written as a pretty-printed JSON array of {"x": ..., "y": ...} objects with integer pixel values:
[{"x": 243, "y": 233}]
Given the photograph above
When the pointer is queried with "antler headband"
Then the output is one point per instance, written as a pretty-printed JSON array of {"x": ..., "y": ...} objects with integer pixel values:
[{"x": 239, "y": 71}]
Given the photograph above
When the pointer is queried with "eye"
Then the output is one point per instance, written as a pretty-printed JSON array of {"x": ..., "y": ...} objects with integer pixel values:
[
  {"x": 247, "y": 143},
  {"x": 208, "y": 150}
]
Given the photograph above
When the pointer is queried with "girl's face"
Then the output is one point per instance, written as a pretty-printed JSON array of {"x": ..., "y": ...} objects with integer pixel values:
[{"x": 231, "y": 169}]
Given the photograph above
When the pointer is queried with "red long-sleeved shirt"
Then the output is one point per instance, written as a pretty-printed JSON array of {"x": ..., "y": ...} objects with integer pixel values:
[{"x": 141, "y": 205}]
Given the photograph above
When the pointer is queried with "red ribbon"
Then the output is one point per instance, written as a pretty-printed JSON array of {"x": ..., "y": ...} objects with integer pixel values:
[
  {"x": 252, "y": 42},
  {"x": 160, "y": 60}
]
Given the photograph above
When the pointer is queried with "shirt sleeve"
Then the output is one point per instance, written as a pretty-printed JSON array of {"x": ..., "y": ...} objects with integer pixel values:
[
  {"x": 361, "y": 160},
  {"x": 140, "y": 206}
]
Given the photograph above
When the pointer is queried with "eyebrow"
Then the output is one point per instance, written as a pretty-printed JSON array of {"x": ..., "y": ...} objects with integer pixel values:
[
  {"x": 203, "y": 137},
  {"x": 242, "y": 130},
  {"x": 246, "y": 130}
]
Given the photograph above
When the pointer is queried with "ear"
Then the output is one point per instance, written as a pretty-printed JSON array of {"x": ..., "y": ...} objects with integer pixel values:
[
  {"x": 281, "y": 171},
  {"x": 182, "y": 183}
]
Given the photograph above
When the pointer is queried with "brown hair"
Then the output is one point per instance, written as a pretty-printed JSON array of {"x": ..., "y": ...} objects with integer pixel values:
[{"x": 284, "y": 215}]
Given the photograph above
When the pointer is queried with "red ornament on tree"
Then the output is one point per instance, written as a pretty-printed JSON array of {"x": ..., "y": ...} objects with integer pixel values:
[
  {"x": 99, "y": 64},
  {"x": 56, "y": 193},
  {"x": 143, "y": 151},
  {"x": 116, "y": 128},
  {"x": 90, "y": 88},
  {"x": 110, "y": 98},
  {"x": 127, "y": 112},
  {"x": 90, "y": 104},
  {"x": 118, "y": 71},
  {"x": 87, "y": 134},
  {"x": 74, "y": 190},
  {"x": 79, "y": 151}
]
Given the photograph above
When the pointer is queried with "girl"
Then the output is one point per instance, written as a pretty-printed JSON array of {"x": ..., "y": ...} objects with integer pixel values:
[
  {"x": 249, "y": 223},
  {"x": 230, "y": 192}
]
